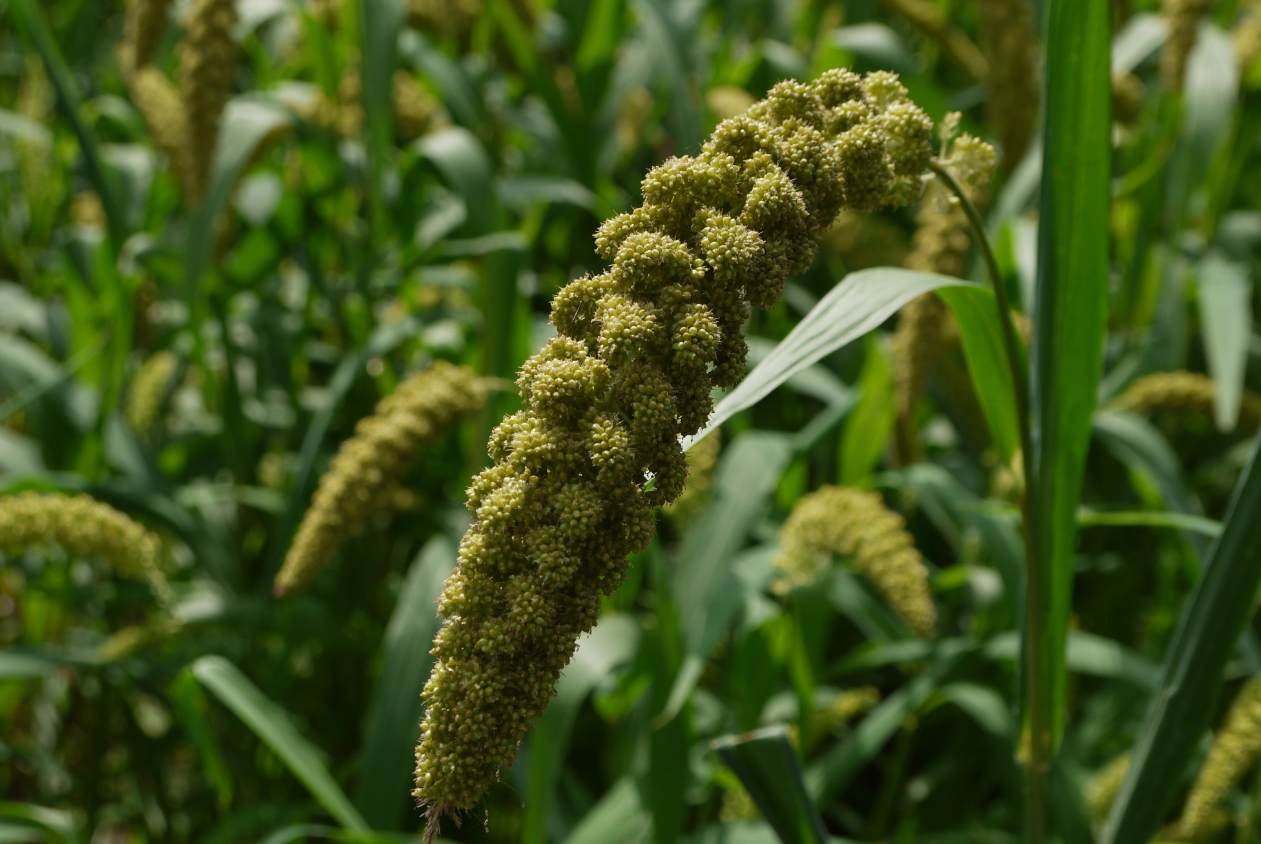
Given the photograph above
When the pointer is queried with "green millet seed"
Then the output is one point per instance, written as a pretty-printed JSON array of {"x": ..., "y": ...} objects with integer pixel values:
[
  {"x": 841, "y": 520},
  {"x": 363, "y": 477},
  {"x": 207, "y": 63},
  {"x": 84, "y": 527},
  {"x": 638, "y": 350}
]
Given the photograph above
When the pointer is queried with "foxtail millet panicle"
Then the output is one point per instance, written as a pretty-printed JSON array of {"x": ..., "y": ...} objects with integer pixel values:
[
  {"x": 1245, "y": 36},
  {"x": 145, "y": 24},
  {"x": 702, "y": 460},
  {"x": 147, "y": 390},
  {"x": 159, "y": 103},
  {"x": 1103, "y": 787},
  {"x": 1236, "y": 748},
  {"x": 1013, "y": 79},
  {"x": 638, "y": 350},
  {"x": 857, "y": 524},
  {"x": 1186, "y": 392},
  {"x": 364, "y": 475},
  {"x": 84, "y": 527},
  {"x": 1183, "y": 19},
  {"x": 207, "y": 56}
]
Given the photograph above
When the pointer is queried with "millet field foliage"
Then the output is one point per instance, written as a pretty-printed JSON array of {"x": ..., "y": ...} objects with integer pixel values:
[{"x": 627, "y": 421}]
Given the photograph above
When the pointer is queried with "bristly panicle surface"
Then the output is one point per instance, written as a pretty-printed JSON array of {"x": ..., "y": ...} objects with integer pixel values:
[
  {"x": 1236, "y": 748},
  {"x": 83, "y": 527},
  {"x": 364, "y": 475},
  {"x": 207, "y": 63},
  {"x": 853, "y": 523},
  {"x": 638, "y": 350}
]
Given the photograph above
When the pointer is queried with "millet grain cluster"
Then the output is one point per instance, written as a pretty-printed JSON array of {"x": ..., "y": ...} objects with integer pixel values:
[{"x": 578, "y": 473}]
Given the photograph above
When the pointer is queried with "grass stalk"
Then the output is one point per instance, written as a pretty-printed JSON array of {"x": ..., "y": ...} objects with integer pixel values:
[{"x": 1035, "y": 637}]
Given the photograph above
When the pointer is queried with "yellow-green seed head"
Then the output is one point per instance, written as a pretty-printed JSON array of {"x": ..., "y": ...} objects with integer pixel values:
[
  {"x": 207, "y": 63},
  {"x": 842, "y": 708},
  {"x": 83, "y": 527},
  {"x": 638, "y": 351},
  {"x": 1246, "y": 36},
  {"x": 1235, "y": 750},
  {"x": 1014, "y": 92},
  {"x": 1183, "y": 18},
  {"x": 1103, "y": 787},
  {"x": 702, "y": 459},
  {"x": 148, "y": 388},
  {"x": 364, "y": 476},
  {"x": 159, "y": 103},
  {"x": 856, "y": 524},
  {"x": 414, "y": 107},
  {"x": 1191, "y": 393},
  {"x": 145, "y": 25}
]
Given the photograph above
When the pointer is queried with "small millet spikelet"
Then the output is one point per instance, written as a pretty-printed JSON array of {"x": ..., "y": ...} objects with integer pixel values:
[
  {"x": 84, "y": 527},
  {"x": 1235, "y": 750},
  {"x": 1185, "y": 392},
  {"x": 1183, "y": 18},
  {"x": 148, "y": 388},
  {"x": 1102, "y": 788},
  {"x": 702, "y": 459},
  {"x": 925, "y": 327},
  {"x": 364, "y": 474},
  {"x": 638, "y": 350},
  {"x": 159, "y": 103},
  {"x": 1246, "y": 36},
  {"x": 414, "y": 107},
  {"x": 145, "y": 25},
  {"x": 853, "y": 523},
  {"x": 207, "y": 56}
]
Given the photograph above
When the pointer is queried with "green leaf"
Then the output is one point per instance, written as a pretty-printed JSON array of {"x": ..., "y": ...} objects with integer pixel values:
[
  {"x": 57, "y": 821},
  {"x": 382, "y": 341},
  {"x": 743, "y": 485},
  {"x": 271, "y": 724},
  {"x": 246, "y": 123},
  {"x": 612, "y": 643},
  {"x": 1070, "y": 320},
  {"x": 981, "y": 331},
  {"x": 14, "y": 666},
  {"x": 767, "y": 765},
  {"x": 870, "y": 422},
  {"x": 619, "y": 818},
  {"x": 393, "y": 724},
  {"x": 1225, "y": 289},
  {"x": 1208, "y": 632},
  {"x": 861, "y": 302},
  {"x": 103, "y": 179},
  {"x": 382, "y": 21}
]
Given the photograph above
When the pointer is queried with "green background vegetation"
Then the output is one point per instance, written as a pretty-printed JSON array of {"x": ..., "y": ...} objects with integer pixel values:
[{"x": 324, "y": 265}]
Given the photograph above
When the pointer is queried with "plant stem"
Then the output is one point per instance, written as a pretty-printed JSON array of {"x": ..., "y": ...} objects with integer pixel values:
[{"x": 1035, "y": 626}]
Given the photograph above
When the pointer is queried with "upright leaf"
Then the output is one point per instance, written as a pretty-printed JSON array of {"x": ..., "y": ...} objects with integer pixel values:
[
  {"x": 1069, "y": 324},
  {"x": 1225, "y": 289},
  {"x": 1208, "y": 632},
  {"x": 394, "y": 715},
  {"x": 767, "y": 765},
  {"x": 271, "y": 724}
]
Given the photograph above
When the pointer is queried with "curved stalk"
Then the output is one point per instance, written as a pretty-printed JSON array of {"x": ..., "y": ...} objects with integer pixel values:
[{"x": 1035, "y": 615}]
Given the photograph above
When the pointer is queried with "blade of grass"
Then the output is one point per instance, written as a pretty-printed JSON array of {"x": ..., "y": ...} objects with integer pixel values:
[
  {"x": 104, "y": 180},
  {"x": 861, "y": 302},
  {"x": 1069, "y": 325},
  {"x": 1225, "y": 294},
  {"x": 1208, "y": 632},
  {"x": 767, "y": 765},
  {"x": 393, "y": 723},
  {"x": 271, "y": 724}
]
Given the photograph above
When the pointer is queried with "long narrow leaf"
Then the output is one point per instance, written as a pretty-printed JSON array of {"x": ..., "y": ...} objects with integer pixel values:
[
  {"x": 270, "y": 723},
  {"x": 858, "y": 304},
  {"x": 1208, "y": 632},
  {"x": 1069, "y": 324},
  {"x": 767, "y": 765},
  {"x": 393, "y": 723}
]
